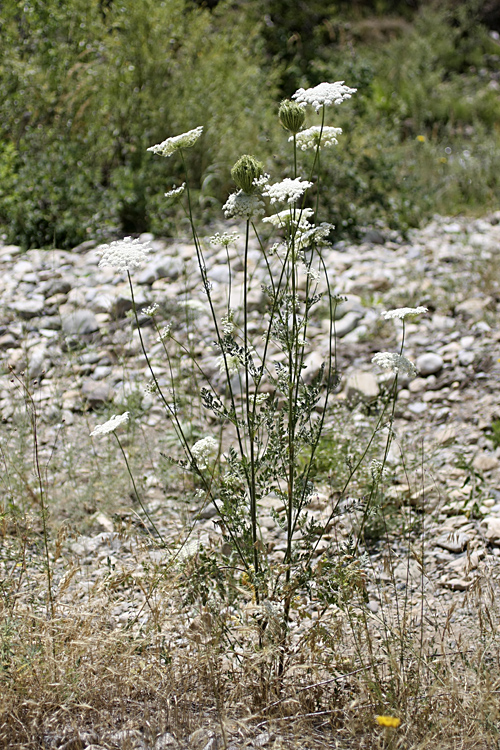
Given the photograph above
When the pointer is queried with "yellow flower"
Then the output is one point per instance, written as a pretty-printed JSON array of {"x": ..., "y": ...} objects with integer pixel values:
[
  {"x": 421, "y": 138},
  {"x": 443, "y": 160},
  {"x": 388, "y": 721}
]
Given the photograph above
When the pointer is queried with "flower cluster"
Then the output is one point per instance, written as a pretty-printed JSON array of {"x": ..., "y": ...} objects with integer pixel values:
[
  {"x": 286, "y": 218},
  {"x": 232, "y": 362},
  {"x": 224, "y": 239},
  {"x": 171, "y": 145},
  {"x": 378, "y": 471},
  {"x": 111, "y": 425},
  {"x": 164, "y": 334},
  {"x": 203, "y": 449},
  {"x": 324, "y": 95},
  {"x": 243, "y": 205},
  {"x": 150, "y": 311},
  {"x": 404, "y": 312},
  {"x": 316, "y": 136},
  {"x": 398, "y": 363},
  {"x": 176, "y": 192},
  {"x": 313, "y": 235},
  {"x": 287, "y": 190},
  {"x": 125, "y": 254}
]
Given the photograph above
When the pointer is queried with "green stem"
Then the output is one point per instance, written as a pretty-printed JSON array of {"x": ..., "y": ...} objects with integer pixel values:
[
  {"x": 250, "y": 416},
  {"x": 136, "y": 493}
]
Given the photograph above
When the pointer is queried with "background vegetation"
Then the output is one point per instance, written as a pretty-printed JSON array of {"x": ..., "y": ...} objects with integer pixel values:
[{"x": 87, "y": 86}]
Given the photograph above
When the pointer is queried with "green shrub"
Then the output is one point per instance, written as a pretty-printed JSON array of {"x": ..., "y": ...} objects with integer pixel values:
[{"x": 84, "y": 91}]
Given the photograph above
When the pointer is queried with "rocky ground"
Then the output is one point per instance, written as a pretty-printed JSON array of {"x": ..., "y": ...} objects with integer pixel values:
[{"x": 66, "y": 326}]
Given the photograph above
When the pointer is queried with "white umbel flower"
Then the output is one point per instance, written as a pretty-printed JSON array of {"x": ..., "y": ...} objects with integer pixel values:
[
  {"x": 150, "y": 311},
  {"x": 310, "y": 138},
  {"x": 125, "y": 254},
  {"x": 398, "y": 363},
  {"x": 176, "y": 192},
  {"x": 316, "y": 235},
  {"x": 224, "y": 239},
  {"x": 324, "y": 95},
  {"x": 232, "y": 361},
  {"x": 286, "y": 218},
  {"x": 171, "y": 145},
  {"x": 111, "y": 425},
  {"x": 404, "y": 312},
  {"x": 287, "y": 190},
  {"x": 203, "y": 449},
  {"x": 244, "y": 205}
]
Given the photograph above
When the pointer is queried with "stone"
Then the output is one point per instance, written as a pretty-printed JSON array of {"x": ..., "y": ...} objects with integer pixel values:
[
  {"x": 446, "y": 435},
  {"x": 352, "y": 303},
  {"x": 458, "y": 584},
  {"x": 28, "y": 308},
  {"x": 55, "y": 286},
  {"x": 453, "y": 541},
  {"x": 37, "y": 360},
  {"x": 374, "y": 236},
  {"x": 466, "y": 357},
  {"x": 362, "y": 386},
  {"x": 492, "y": 532},
  {"x": 80, "y": 322},
  {"x": 102, "y": 522},
  {"x": 7, "y": 341},
  {"x": 485, "y": 462},
  {"x": 313, "y": 363},
  {"x": 475, "y": 307},
  {"x": 429, "y": 363},
  {"x": 97, "y": 394},
  {"x": 346, "y": 324}
]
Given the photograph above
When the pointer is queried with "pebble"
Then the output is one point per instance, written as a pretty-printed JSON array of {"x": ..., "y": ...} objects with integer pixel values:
[
  {"x": 362, "y": 386},
  {"x": 429, "y": 363}
]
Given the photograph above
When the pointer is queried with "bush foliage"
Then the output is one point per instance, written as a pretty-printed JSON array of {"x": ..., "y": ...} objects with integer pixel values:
[{"x": 83, "y": 86}]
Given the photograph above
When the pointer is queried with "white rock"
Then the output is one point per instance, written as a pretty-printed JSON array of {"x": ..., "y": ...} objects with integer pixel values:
[
  {"x": 362, "y": 386},
  {"x": 429, "y": 363}
]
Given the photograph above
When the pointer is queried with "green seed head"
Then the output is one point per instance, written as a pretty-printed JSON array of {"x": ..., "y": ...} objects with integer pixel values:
[
  {"x": 291, "y": 116},
  {"x": 245, "y": 171}
]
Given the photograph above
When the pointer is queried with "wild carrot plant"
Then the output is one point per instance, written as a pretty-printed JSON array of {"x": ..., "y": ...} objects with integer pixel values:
[{"x": 269, "y": 416}]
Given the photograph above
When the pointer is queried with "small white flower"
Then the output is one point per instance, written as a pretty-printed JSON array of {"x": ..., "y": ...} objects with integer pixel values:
[
  {"x": 244, "y": 205},
  {"x": 259, "y": 182},
  {"x": 171, "y": 145},
  {"x": 310, "y": 138},
  {"x": 378, "y": 471},
  {"x": 287, "y": 190},
  {"x": 110, "y": 425},
  {"x": 125, "y": 254},
  {"x": 150, "y": 311},
  {"x": 224, "y": 239},
  {"x": 233, "y": 364},
  {"x": 315, "y": 235},
  {"x": 176, "y": 191},
  {"x": 286, "y": 218},
  {"x": 404, "y": 312},
  {"x": 203, "y": 449},
  {"x": 164, "y": 334},
  {"x": 313, "y": 273},
  {"x": 324, "y": 94},
  {"x": 398, "y": 363}
]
